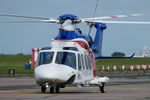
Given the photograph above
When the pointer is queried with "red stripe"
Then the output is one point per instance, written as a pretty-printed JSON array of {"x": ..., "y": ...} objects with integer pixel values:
[
  {"x": 82, "y": 44},
  {"x": 129, "y": 15},
  {"x": 113, "y": 16}
]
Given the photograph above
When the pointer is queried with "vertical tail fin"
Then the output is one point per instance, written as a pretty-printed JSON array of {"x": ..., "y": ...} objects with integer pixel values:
[{"x": 97, "y": 45}]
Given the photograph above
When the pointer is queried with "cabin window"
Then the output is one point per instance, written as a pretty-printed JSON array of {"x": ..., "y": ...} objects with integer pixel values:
[
  {"x": 86, "y": 62},
  {"x": 89, "y": 62},
  {"x": 82, "y": 60},
  {"x": 66, "y": 58},
  {"x": 79, "y": 62},
  {"x": 45, "y": 58}
]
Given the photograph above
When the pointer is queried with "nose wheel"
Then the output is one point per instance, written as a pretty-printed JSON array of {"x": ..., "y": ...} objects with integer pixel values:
[
  {"x": 43, "y": 89},
  {"x": 54, "y": 89},
  {"x": 57, "y": 89}
]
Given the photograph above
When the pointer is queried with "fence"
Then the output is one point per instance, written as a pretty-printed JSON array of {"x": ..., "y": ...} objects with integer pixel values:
[{"x": 125, "y": 67}]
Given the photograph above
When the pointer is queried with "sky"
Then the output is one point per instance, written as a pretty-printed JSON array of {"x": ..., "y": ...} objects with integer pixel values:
[{"x": 21, "y": 37}]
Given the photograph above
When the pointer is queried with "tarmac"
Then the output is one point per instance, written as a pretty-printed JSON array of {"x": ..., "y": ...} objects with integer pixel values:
[{"x": 116, "y": 89}]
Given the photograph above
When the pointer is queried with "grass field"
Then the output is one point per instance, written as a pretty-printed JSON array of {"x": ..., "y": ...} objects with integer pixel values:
[
  {"x": 14, "y": 62},
  {"x": 17, "y": 62}
]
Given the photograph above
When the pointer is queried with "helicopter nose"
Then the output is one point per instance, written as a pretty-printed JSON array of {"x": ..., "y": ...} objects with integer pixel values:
[
  {"x": 46, "y": 73},
  {"x": 53, "y": 73}
]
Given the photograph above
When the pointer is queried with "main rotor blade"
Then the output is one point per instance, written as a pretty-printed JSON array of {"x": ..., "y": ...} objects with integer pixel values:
[
  {"x": 123, "y": 22},
  {"x": 109, "y": 17},
  {"x": 20, "y": 16},
  {"x": 31, "y": 21}
]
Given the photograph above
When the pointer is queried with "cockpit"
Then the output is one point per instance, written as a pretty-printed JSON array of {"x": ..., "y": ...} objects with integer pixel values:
[{"x": 60, "y": 57}]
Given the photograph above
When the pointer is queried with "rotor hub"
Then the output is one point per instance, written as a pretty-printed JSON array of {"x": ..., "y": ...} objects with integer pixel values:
[{"x": 65, "y": 17}]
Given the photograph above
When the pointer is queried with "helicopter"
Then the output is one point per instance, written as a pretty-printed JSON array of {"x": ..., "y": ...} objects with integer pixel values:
[{"x": 71, "y": 58}]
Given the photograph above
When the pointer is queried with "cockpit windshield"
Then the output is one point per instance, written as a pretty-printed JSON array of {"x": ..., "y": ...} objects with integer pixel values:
[
  {"x": 66, "y": 58},
  {"x": 45, "y": 58}
]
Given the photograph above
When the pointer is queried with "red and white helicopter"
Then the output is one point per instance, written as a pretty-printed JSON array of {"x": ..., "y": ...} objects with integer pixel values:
[{"x": 72, "y": 55}]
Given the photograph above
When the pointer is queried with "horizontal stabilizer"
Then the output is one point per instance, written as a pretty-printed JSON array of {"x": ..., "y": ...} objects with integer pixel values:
[{"x": 109, "y": 57}]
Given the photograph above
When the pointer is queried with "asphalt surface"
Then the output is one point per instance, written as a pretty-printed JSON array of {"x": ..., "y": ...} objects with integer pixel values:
[{"x": 116, "y": 89}]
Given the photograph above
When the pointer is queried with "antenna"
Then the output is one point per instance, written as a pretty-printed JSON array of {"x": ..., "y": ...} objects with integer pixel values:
[
  {"x": 91, "y": 24},
  {"x": 95, "y": 8}
]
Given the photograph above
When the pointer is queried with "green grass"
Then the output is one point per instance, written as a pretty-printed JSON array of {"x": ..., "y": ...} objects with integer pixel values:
[
  {"x": 14, "y": 62},
  {"x": 17, "y": 62}
]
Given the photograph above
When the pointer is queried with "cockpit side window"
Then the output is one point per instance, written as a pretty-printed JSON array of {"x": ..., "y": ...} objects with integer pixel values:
[
  {"x": 45, "y": 58},
  {"x": 66, "y": 58},
  {"x": 88, "y": 62}
]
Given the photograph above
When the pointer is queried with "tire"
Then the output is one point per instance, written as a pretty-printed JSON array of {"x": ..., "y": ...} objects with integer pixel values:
[
  {"x": 102, "y": 88},
  {"x": 51, "y": 89},
  {"x": 57, "y": 89},
  {"x": 43, "y": 89}
]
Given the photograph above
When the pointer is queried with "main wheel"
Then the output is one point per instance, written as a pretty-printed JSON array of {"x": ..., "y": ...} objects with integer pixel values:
[
  {"x": 102, "y": 87},
  {"x": 43, "y": 89},
  {"x": 57, "y": 89},
  {"x": 52, "y": 89}
]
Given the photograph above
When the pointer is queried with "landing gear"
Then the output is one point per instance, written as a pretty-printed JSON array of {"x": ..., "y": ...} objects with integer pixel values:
[
  {"x": 57, "y": 89},
  {"x": 54, "y": 89},
  {"x": 43, "y": 89},
  {"x": 102, "y": 87}
]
